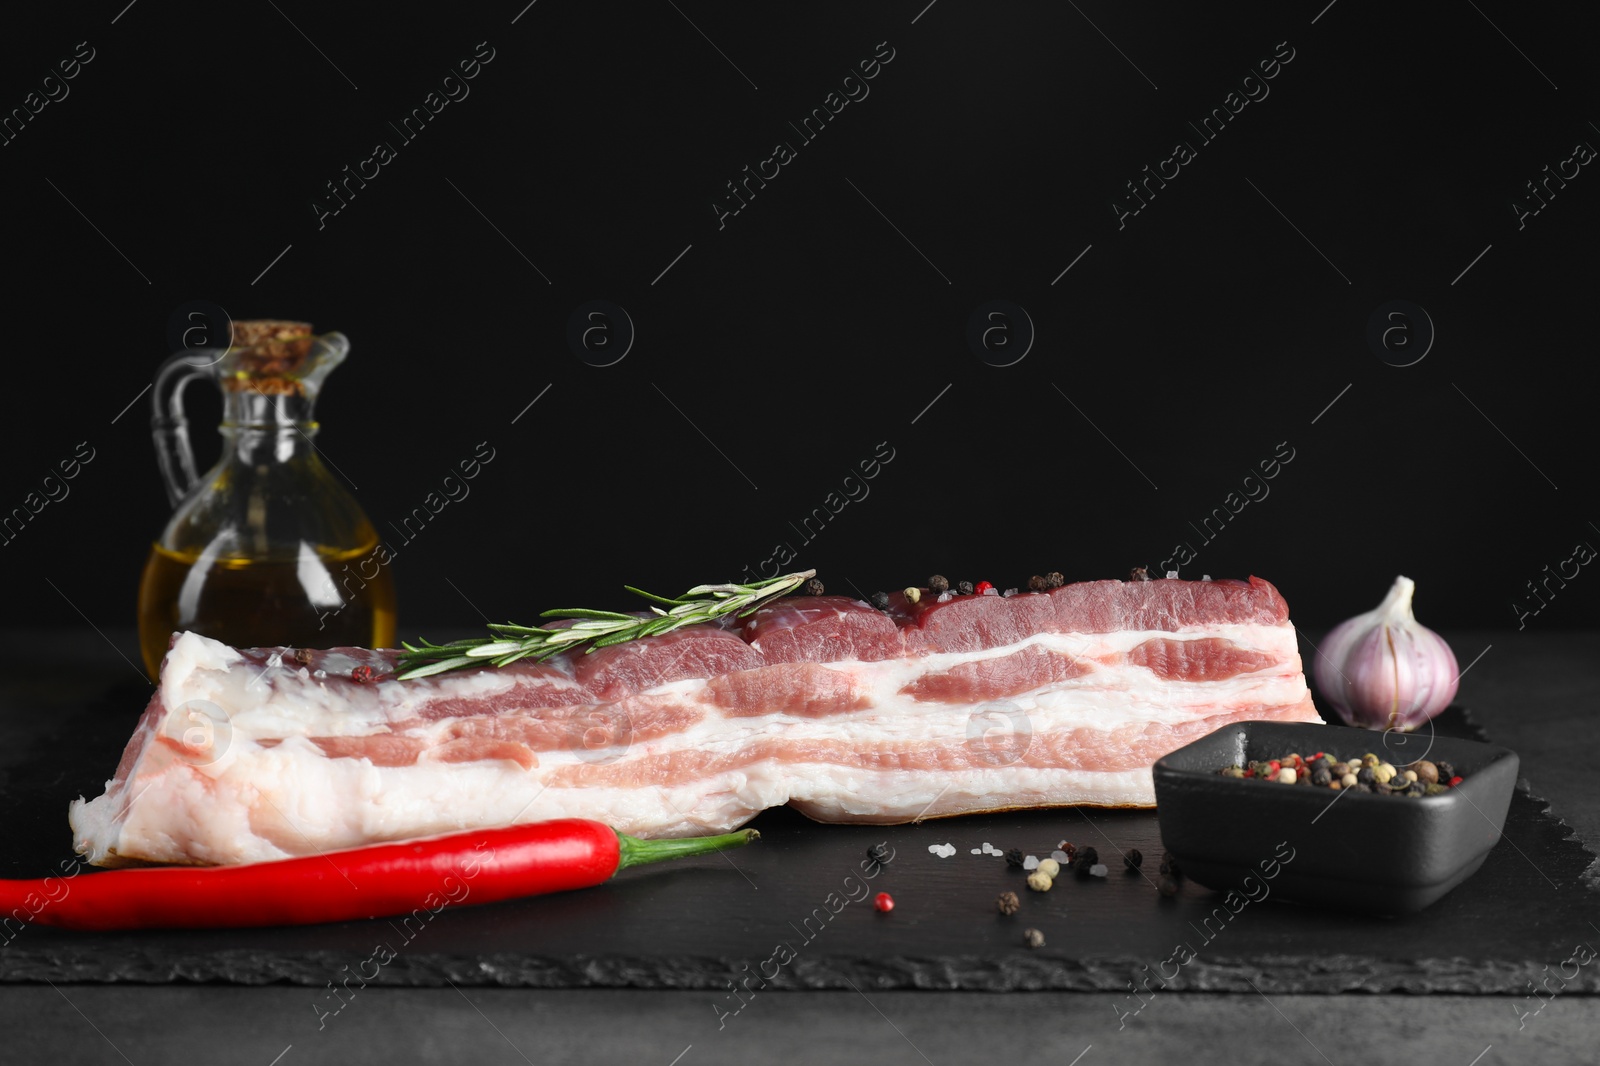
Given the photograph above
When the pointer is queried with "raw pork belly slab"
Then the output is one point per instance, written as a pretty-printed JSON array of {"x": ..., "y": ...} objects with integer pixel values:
[{"x": 848, "y": 713}]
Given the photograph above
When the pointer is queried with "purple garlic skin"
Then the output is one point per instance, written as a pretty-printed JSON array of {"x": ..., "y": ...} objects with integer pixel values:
[{"x": 1384, "y": 670}]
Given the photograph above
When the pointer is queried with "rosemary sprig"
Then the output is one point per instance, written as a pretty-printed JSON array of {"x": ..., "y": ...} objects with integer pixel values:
[{"x": 598, "y": 629}]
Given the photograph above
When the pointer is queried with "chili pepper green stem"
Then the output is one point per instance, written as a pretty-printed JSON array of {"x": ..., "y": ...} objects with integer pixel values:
[{"x": 636, "y": 852}]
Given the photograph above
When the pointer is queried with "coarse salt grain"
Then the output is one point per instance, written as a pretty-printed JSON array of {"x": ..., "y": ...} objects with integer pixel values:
[
  {"x": 1031, "y": 862},
  {"x": 1061, "y": 857},
  {"x": 1097, "y": 870},
  {"x": 944, "y": 851}
]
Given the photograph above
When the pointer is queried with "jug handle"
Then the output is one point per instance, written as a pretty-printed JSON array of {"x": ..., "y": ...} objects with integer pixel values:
[{"x": 168, "y": 423}]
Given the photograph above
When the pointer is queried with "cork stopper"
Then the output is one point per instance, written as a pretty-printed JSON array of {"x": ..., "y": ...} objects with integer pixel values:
[{"x": 269, "y": 352}]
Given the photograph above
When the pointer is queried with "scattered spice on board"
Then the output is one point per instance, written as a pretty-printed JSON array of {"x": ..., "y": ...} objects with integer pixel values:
[
  {"x": 1033, "y": 938},
  {"x": 883, "y": 902},
  {"x": 1008, "y": 903},
  {"x": 1040, "y": 881},
  {"x": 1014, "y": 857},
  {"x": 1133, "y": 860},
  {"x": 879, "y": 853}
]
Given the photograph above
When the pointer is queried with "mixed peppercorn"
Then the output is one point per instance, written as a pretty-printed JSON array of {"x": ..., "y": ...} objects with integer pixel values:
[
  {"x": 1085, "y": 862},
  {"x": 942, "y": 587},
  {"x": 1365, "y": 774}
]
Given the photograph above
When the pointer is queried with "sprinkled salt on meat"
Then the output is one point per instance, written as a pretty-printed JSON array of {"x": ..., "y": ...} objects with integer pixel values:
[{"x": 823, "y": 629}]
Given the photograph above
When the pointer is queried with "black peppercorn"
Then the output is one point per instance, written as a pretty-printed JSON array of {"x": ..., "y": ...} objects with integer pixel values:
[
  {"x": 1445, "y": 770},
  {"x": 813, "y": 587},
  {"x": 1037, "y": 584},
  {"x": 303, "y": 657},
  {"x": 880, "y": 600},
  {"x": 1033, "y": 938},
  {"x": 1089, "y": 853},
  {"x": 1169, "y": 865},
  {"x": 1014, "y": 857},
  {"x": 1008, "y": 903},
  {"x": 879, "y": 854},
  {"x": 1081, "y": 865},
  {"x": 1139, "y": 573},
  {"x": 1054, "y": 579},
  {"x": 1168, "y": 886},
  {"x": 1321, "y": 777},
  {"x": 963, "y": 588},
  {"x": 939, "y": 583},
  {"x": 1133, "y": 859},
  {"x": 1365, "y": 775}
]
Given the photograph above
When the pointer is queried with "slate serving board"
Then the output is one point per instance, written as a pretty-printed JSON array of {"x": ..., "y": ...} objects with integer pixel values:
[{"x": 790, "y": 911}]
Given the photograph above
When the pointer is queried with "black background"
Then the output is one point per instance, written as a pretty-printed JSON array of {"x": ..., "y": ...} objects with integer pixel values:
[{"x": 1176, "y": 354}]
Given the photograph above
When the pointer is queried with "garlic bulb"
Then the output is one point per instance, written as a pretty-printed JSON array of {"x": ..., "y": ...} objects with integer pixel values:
[{"x": 1382, "y": 670}]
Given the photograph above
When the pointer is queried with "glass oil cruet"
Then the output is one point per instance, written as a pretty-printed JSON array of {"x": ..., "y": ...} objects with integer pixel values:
[{"x": 267, "y": 548}]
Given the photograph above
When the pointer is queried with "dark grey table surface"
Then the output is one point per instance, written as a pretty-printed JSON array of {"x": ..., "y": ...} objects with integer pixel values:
[{"x": 1534, "y": 692}]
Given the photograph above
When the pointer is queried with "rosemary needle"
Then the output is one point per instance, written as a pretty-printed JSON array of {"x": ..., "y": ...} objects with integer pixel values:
[{"x": 597, "y": 629}]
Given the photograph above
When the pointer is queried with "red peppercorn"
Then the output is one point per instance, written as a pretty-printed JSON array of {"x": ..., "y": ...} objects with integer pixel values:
[
  {"x": 1302, "y": 772},
  {"x": 981, "y": 587},
  {"x": 1250, "y": 773},
  {"x": 1454, "y": 781},
  {"x": 1276, "y": 765},
  {"x": 1317, "y": 756},
  {"x": 883, "y": 902},
  {"x": 361, "y": 675}
]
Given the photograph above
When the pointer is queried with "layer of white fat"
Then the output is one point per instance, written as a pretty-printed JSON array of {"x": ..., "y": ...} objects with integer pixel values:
[{"x": 253, "y": 802}]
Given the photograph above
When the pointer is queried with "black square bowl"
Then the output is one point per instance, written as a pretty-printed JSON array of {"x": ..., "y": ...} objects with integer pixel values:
[{"x": 1347, "y": 849}]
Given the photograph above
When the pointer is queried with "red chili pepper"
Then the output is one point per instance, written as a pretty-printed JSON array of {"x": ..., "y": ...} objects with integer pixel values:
[
  {"x": 1454, "y": 781},
  {"x": 1317, "y": 756},
  {"x": 981, "y": 587},
  {"x": 884, "y": 902},
  {"x": 483, "y": 866},
  {"x": 1276, "y": 765}
]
